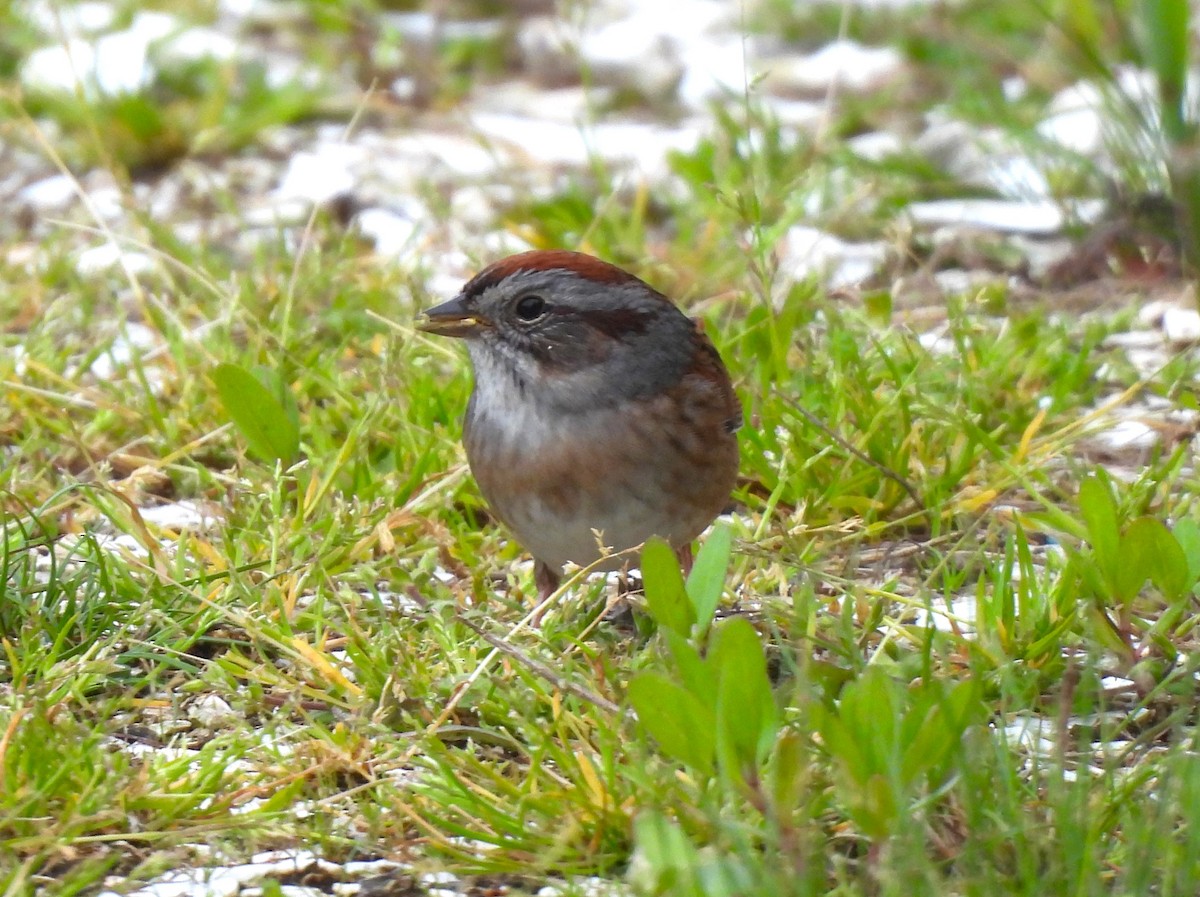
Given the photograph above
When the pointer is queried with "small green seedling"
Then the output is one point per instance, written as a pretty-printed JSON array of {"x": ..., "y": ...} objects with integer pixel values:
[
  {"x": 715, "y": 711},
  {"x": 263, "y": 409}
]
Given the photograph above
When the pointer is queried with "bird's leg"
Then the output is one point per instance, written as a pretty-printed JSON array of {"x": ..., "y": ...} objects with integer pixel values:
[
  {"x": 683, "y": 554},
  {"x": 546, "y": 579}
]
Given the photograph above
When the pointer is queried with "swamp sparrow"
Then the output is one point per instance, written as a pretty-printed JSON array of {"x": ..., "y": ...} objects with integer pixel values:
[{"x": 601, "y": 415}]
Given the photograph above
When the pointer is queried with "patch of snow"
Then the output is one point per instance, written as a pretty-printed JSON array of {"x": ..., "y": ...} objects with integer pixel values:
[
  {"x": 369, "y": 867},
  {"x": 499, "y": 243},
  {"x": 1080, "y": 117},
  {"x": 809, "y": 252},
  {"x": 280, "y": 213},
  {"x": 957, "y": 281},
  {"x": 842, "y": 64},
  {"x": 300, "y": 891},
  {"x": 267, "y": 12},
  {"x": 70, "y": 20},
  {"x": 1181, "y": 325},
  {"x": 936, "y": 342},
  {"x": 987, "y": 158},
  {"x": 1129, "y": 434},
  {"x": 228, "y": 881},
  {"x": 960, "y": 615},
  {"x": 1076, "y": 120},
  {"x": 1014, "y": 88},
  {"x": 475, "y": 207},
  {"x": 180, "y": 515},
  {"x": 403, "y": 89},
  {"x": 133, "y": 340},
  {"x": 626, "y": 54},
  {"x": 106, "y": 202},
  {"x": 1117, "y": 683},
  {"x": 212, "y": 712},
  {"x": 401, "y": 603},
  {"x": 1150, "y": 314},
  {"x": 720, "y": 72},
  {"x": 593, "y": 886},
  {"x": 875, "y": 146},
  {"x": 155, "y": 752},
  {"x": 547, "y": 50},
  {"x": 1012, "y": 216},
  {"x": 113, "y": 64},
  {"x": 1034, "y": 733},
  {"x": 1135, "y": 339},
  {"x": 392, "y": 232},
  {"x": 565, "y": 105},
  {"x": 434, "y": 156},
  {"x": 802, "y": 115},
  {"x": 195, "y": 44},
  {"x": 99, "y": 259},
  {"x": 653, "y": 47},
  {"x": 1041, "y": 254},
  {"x": 321, "y": 174},
  {"x": 60, "y": 68},
  {"x": 426, "y": 27},
  {"x": 643, "y": 147},
  {"x": 50, "y": 194}
]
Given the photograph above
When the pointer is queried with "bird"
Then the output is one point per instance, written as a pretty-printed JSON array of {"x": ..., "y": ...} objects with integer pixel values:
[{"x": 601, "y": 414}]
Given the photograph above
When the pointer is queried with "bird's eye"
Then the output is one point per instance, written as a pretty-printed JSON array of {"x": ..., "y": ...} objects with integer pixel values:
[{"x": 530, "y": 308}]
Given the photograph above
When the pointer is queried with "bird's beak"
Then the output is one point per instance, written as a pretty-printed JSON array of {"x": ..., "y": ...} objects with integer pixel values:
[{"x": 451, "y": 319}]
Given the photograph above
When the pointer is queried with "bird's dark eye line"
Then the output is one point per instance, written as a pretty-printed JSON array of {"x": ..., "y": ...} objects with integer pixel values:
[{"x": 530, "y": 307}]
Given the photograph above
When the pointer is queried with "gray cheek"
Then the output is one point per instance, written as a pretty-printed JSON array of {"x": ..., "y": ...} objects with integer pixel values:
[{"x": 579, "y": 371}]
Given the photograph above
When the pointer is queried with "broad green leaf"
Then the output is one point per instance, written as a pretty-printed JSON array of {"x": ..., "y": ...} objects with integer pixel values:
[
  {"x": 871, "y": 710},
  {"x": 964, "y": 706},
  {"x": 707, "y": 579},
  {"x": 1136, "y": 556},
  {"x": 857, "y": 779},
  {"x": 697, "y": 675},
  {"x": 1102, "y": 629},
  {"x": 844, "y": 747},
  {"x": 841, "y": 746},
  {"x": 746, "y": 714},
  {"x": 271, "y": 432},
  {"x": 1093, "y": 578},
  {"x": 791, "y": 770},
  {"x": 666, "y": 598},
  {"x": 876, "y": 808},
  {"x": 1187, "y": 534},
  {"x": 666, "y": 860},
  {"x": 944, "y": 719},
  {"x": 676, "y": 719},
  {"x": 1159, "y": 554},
  {"x": 1099, "y": 511}
]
